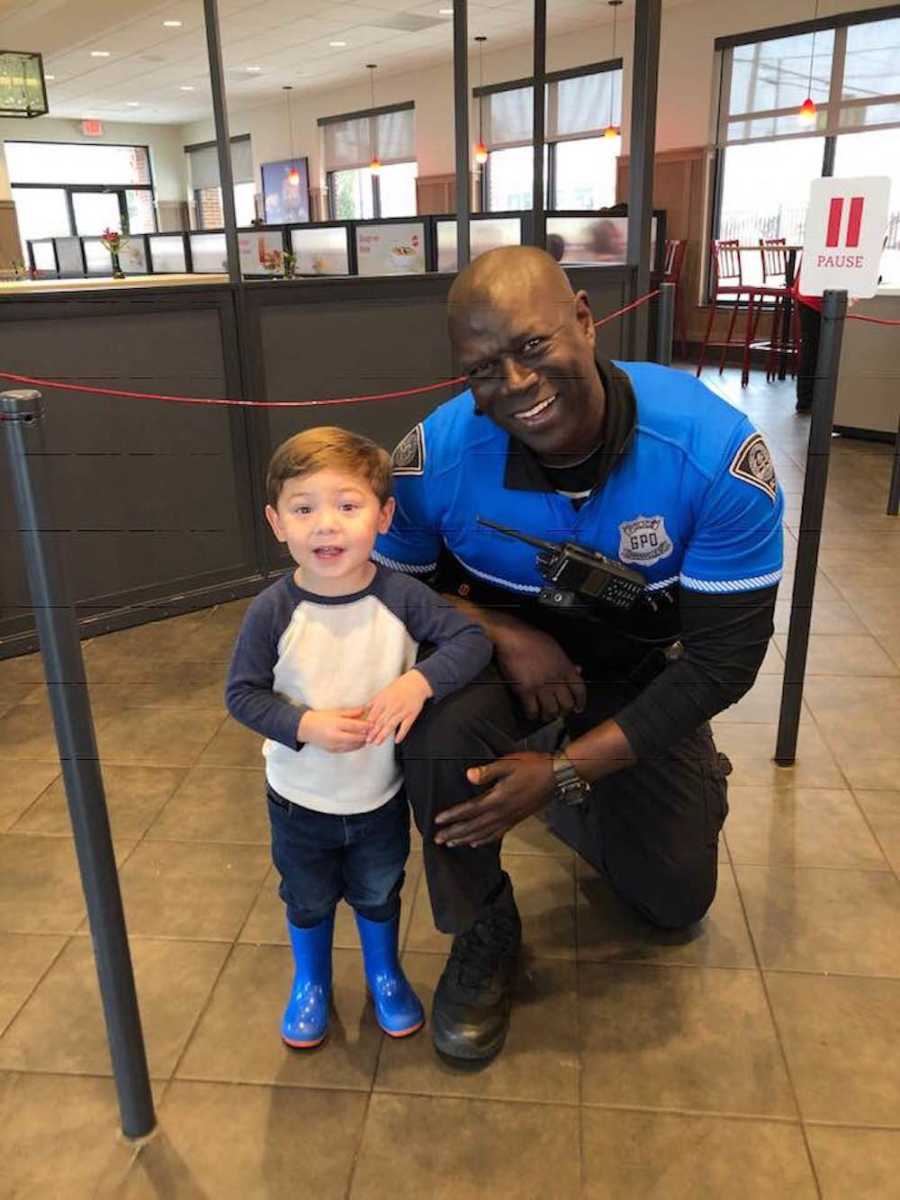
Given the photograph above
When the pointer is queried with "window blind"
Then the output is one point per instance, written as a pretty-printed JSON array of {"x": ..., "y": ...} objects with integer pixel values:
[
  {"x": 354, "y": 141},
  {"x": 204, "y": 163},
  {"x": 576, "y": 107}
]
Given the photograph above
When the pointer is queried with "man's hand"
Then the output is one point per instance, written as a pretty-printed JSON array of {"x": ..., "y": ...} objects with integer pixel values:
[
  {"x": 543, "y": 678},
  {"x": 395, "y": 707},
  {"x": 336, "y": 729},
  {"x": 522, "y": 784}
]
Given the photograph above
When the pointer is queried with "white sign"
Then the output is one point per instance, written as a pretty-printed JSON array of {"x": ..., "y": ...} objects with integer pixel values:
[
  {"x": 845, "y": 227},
  {"x": 391, "y": 249}
]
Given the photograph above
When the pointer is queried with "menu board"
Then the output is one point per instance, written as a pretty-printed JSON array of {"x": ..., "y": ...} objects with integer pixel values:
[
  {"x": 321, "y": 251},
  {"x": 261, "y": 252},
  {"x": 397, "y": 249},
  {"x": 484, "y": 235}
]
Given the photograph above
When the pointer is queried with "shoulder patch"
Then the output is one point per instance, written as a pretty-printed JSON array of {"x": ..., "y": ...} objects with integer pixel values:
[
  {"x": 753, "y": 463},
  {"x": 409, "y": 454}
]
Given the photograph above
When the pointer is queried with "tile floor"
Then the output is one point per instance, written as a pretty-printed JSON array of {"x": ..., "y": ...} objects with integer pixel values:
[{"x": 756, "y": 1058}]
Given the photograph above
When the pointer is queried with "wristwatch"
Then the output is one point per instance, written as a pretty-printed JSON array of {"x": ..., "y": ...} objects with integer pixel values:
[{"x": 570, "y": 787}]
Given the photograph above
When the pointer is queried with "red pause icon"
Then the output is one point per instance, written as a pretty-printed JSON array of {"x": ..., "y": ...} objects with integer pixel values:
[{"x": 835, "y": 219}]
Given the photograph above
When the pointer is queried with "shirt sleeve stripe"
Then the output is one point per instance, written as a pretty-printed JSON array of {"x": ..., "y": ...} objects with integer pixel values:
[
  {"x": 407, "y": 568},
  {"x": 731, "y": 585}
]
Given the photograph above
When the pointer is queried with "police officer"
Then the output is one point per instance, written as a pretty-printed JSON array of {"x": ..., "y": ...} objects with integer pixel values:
[{"x": 646, "y": 465}]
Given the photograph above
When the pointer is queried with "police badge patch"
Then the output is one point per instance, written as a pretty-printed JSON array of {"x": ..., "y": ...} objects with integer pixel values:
[
  {"x": 644, "y": 541},
  {"x": 409, "y": 455},
  {"x": 753, "y": 463}
]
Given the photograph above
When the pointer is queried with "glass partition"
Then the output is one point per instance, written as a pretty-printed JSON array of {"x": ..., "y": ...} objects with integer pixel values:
[
  {"x": 321, "y": 251},
  {"x": 167, "y": 254},
  {"x": 133, "y": 257},
  {"x": 97, "y": 258},
  {"x": 484, "y": 234},
  {"x": 44, "y": 258},
  {"x": 68, "y": 256},
  {"x": 391, "y": 249},
  {"x": 208, "y": 253},
  {"x": 261, "y": 252}
]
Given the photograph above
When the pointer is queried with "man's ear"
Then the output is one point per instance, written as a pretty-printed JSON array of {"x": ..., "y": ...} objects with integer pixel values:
[
  {"x": 387, "y": 514},
  {"x": 274, "y": 521},
  {"x": 584, "y": 318}
]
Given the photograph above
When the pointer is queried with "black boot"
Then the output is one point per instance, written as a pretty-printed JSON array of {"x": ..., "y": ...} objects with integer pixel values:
[{"x": 470, "y": 1016}]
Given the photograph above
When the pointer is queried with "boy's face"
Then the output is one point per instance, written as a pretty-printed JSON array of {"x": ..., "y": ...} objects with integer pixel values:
[{"x": 329, "y": 521}]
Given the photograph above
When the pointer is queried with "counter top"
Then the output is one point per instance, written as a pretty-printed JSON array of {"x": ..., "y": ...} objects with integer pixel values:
[{"x": 30, "y": 287}]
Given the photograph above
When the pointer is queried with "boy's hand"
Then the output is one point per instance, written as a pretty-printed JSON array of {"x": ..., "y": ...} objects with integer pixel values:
[
  {"x": 397, "y": 706},
  {"x": 334, "y": 729}
]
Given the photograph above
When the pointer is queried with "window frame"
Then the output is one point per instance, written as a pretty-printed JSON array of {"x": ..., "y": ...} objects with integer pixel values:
[
  {"x": 479, "y": 93},
  {"x": 724, "y": 47}
]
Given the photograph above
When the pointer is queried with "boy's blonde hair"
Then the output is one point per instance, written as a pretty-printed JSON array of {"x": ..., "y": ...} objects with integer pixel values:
[{"x": 329, "y": 448}]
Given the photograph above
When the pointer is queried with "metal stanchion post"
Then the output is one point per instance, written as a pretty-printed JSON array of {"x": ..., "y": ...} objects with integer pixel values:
[
  {"x": 834, "y": 309},
  {"x": 894, "y": 494},
  {"x": 21, "y": 419},
  {"x": 665, "y": 324}
]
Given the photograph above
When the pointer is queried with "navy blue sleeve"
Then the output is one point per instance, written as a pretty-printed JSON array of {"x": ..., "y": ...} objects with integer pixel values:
[
  {"x": 248, "y": 691},
  {"x": 463, "y": 648}
]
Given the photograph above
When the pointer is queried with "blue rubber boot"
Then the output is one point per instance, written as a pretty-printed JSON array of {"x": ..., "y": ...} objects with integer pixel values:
[
  {"x": 398, "y": 1009},
  {"x": 305, "y": 1021}
]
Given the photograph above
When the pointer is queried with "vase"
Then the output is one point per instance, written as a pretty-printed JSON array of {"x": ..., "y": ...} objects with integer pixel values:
[{"x": 117, "y": 272}]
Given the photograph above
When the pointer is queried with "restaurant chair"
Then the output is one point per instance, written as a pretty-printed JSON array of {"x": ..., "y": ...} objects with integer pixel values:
[
  {"x": 730, "y": 291},
  {"x": 785, "y": 336},
  {"x": 672, "y": 268}
]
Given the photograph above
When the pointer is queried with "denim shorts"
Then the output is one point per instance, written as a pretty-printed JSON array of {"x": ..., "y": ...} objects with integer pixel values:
[{"x": 325, "y": 857}]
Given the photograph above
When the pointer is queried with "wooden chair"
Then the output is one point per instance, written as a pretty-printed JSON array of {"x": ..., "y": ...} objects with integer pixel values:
[{"x": 731, "y": 291}]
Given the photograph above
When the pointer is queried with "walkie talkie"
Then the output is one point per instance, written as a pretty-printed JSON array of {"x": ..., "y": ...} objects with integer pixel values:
[{"x": 576, "y": 574}]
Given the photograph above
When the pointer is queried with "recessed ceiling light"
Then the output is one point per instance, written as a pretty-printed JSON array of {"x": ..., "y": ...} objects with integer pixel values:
[
  {"x": 172, "y": 24},
  {"x": 49, "y": 76},
  {"x": 133, "y": 103},
  {"x": 445, "y": 12},
  {"x": 187, "y": 87},
  {"x": 253, "y": 68},
  {"x": 337, "y": 43},
  {"x": 100, "y": 54}
]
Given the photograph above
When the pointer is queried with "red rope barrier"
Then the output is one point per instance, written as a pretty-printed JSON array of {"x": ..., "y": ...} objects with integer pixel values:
[{"x": 416, "y": 391}]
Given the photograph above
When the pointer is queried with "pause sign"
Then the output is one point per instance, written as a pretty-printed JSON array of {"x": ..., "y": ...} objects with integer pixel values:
[{"x": 845, "y": 227}]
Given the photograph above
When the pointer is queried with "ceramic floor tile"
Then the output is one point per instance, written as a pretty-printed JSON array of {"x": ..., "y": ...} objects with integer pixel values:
[
  {"x": 882, "y": 810},
  {"x": 773, "y": 663},
  {"x": 25, "y": 733},
  {"x": 292, "y": 1142},
  {"x": 610, "y": 932},
  {"x": 134, "y": 795},
  {"x": 841, "y": 1036},
  {"x": 177, "y": 639},
  {"x": 233, "y": 746},
  {"x": 266, "y": 923},
  {"x": 680, "y": 1037},
  {"x": 659, "y": 1156},
  {"x": 859, "y": 718},
  {"x": 816, "y": 919},
  {"x": 239, "y": 1039},
  {"x": 539, "y": 1060},
  {"x": 59, "y": 1137},
  {"x": 160, "y": 737},
  {"x": 804, "y": 827},
  {"x": 216, "y": 804},
  {"x": 25, "y": 958},
  {"x": 834, "y": 616},
  {"x": 877, "y": 608},
  {"x": 534, "y": 837},
  {"x": 191, "y": 889},
  {"x": 751, "y": 748},
  {"x": 853, "y": 1164},
  {"x": 844, "y": 654},
  {"x": 154, "y": 685},
  {"x": 61, "y": 1027},
  {"x": 466, "y": 1150},
  {"x": 759, "y": 705},
  {"x": 40, "y": 887},
  {"x": 20, "y": 785},
  {"x": 25, "y": 668}
]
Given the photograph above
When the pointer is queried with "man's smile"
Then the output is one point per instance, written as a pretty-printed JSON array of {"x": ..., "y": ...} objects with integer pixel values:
[{"x": 538, "y": 413}]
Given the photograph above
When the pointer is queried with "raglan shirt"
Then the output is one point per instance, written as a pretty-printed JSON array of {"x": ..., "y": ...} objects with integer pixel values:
[
  {"x": 297, "y": 650},
  {"x": 684, "y": 492}
]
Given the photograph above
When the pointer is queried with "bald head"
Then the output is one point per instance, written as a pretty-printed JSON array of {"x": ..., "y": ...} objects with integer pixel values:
[{"x": 508, "y": 280}]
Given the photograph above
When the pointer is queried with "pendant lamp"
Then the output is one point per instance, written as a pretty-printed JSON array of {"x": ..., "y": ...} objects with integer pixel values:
[
  {"x": 481, "y": 150},
  {"x": 807, "y": 112},
  {"x": 611, "y": 130},
  {"x": 293, "y": 175},
  {"x": 375, "y": 164}
]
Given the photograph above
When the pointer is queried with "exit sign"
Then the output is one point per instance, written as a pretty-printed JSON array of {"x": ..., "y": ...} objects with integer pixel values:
[{"x": 92, "y": 128}]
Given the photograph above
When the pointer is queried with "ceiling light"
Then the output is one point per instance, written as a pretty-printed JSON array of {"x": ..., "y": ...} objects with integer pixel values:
[
  {"x": 337, "y": 44},
  {"x": 172, "y": 24},
  {"x": 100, "y": 54},
  {"x": 133, "y": 103},
  {"x": 49, "y": 76},
  {"x": 445, "y": 12},
  {"x": 254, "y": 69},
  {"x": 187, "y": 87}
]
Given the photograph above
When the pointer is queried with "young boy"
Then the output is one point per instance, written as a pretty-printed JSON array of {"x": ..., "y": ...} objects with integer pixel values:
[{"x": 325, "y": 667}]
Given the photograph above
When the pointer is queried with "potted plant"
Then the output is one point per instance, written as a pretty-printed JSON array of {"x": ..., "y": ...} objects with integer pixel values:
[{"x": 114, "y": 241}]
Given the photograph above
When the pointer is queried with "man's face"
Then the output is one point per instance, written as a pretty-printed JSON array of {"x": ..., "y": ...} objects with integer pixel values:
[{"x": 529, "y": 358}]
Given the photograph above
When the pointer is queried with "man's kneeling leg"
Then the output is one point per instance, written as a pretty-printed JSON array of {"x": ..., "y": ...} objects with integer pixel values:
[{"x": 471, "y": 897}]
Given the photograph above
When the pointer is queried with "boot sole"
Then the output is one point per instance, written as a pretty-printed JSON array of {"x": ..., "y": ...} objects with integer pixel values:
[
  {"x": 304, "y": 1045},
  {"x": 402, "y": 1033}
]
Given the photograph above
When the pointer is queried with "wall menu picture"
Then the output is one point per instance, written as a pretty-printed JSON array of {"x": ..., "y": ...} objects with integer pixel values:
[
  {"x": 286, "y": 191},
  {"x": 391, "y": 249}
]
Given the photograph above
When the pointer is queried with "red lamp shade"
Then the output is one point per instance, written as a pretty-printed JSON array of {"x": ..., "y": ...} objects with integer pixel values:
[
  {"x": 481, "y": 152},
  {"x": 611, "y": 131},
  {"x": 293, "y": 176},
  {"x": 807, "y": 112}
]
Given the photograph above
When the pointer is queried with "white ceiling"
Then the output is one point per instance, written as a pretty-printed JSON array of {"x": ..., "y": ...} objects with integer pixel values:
[{"x": 289, "y": 40}]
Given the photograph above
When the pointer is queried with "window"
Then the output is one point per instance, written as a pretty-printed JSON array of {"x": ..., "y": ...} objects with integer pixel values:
[
  {"x": 351, "y": 143},
  {"x": 766, "y": 158},
  {"x": 65, "y": 188},
  {"x": 579, "y": 163},
  {"x": 203, "y": 162}
]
